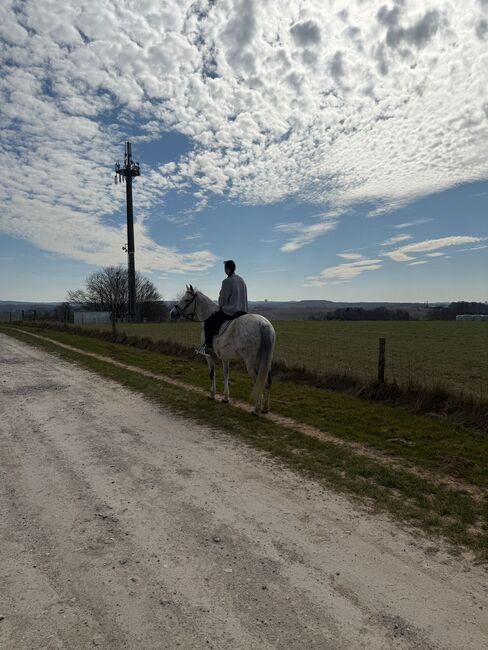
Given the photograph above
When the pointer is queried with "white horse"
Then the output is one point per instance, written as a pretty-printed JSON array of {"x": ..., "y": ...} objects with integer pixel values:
[{"x": 250, "y": 337}]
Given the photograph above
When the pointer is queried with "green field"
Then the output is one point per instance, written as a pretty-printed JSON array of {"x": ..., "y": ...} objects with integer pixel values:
[{"x": 451, "y": 354}]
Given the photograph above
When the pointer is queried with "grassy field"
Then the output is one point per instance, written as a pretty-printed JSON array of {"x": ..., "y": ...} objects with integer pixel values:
[
  {"x": 453, "y": 354},
  {"x": 441, "y": 449}
]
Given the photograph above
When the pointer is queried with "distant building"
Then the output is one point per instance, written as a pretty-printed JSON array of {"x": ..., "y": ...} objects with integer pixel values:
[
  {"x": 88, "y": 317},
  {"x": 472, "y": 317}
]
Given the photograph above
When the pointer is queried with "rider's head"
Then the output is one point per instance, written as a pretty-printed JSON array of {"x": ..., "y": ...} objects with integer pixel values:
[{"x": 229, "y": 267}]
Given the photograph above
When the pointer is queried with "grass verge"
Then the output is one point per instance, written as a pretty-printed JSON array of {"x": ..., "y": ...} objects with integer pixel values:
[
  {"x": 436, "y": 508},
  {"x": 434, "y": 400}
]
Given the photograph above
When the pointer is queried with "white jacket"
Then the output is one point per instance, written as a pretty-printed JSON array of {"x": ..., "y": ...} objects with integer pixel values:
[{"x": 233, "y": 295}]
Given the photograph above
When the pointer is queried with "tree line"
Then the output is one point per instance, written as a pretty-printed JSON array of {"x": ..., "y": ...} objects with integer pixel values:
[
  {"x": 442, "y": 312},
  {"x": 454, "y": 309},
  {"x": 360, "y": 313}
]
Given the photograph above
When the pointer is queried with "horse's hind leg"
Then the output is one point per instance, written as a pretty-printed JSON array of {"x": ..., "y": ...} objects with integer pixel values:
[
  {"x": 211, "y": 371},
  {"x": 225, "y": 367},
  {"x": 253, "y": 373},
  {"x": 267, "y": 389}
]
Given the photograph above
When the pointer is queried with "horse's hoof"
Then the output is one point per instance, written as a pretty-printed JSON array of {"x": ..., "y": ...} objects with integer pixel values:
[
  {"x": 256, "y": 413},
  {"x": 265, "y": 411},
  {"x": 211, "y": 397},
  {"x": 225, "y": 401}
]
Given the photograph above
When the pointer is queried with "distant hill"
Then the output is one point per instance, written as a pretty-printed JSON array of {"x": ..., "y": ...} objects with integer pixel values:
[
  {"x": 274, "y": 309},
  {"x": 293, "y": 304},
  {"x": 329, "y": 304},
  {"x": 13, "y": 305},
  {"x": 305, "y": 309}
]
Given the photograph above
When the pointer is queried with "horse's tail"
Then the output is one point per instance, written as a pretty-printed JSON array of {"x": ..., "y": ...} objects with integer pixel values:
[{"x": 264, "y": 358}]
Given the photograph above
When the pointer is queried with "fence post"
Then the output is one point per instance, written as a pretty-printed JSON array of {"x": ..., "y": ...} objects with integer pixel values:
[{"x": 381, "y": 361}]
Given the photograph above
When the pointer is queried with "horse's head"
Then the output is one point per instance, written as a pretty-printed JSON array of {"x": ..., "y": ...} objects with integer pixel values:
[{"x": 185, "y": 307}]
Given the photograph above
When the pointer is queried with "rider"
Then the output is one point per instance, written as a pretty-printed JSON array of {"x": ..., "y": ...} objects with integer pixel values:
[{"x": 232, "y": 303}]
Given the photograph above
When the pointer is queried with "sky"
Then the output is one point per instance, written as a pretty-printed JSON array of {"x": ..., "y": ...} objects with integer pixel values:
[{"x": 335, "y": 150}]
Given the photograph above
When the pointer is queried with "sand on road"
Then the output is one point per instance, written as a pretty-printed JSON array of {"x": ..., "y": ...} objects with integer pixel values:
[{"x": 124, "y": 526}]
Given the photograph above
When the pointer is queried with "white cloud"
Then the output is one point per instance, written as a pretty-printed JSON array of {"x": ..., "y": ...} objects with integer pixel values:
[
  {"x": 473, "y": 248},
  {"x": 304, "y": 234},
  {"x": 343, "y": 272},
  {"x": 418, "y": 263},
  {"x": 350, "y": 256},
  {"x": 289, "y": 227},
  {"x": 287, "y": 99},
  {"x": 403, "y": 254},
  {"x": 401, "y": 226},
  {"x": 396, "y": 239},
  {"x": 314, "y": 282},
  {"x": 57, "y": 150}
]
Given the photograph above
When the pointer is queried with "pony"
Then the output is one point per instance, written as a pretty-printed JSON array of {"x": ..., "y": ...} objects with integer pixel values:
[{"x": 250, "y": 338}]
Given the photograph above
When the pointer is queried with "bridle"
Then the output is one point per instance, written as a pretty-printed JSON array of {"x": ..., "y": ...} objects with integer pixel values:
[{"x": 182, "y": 310}]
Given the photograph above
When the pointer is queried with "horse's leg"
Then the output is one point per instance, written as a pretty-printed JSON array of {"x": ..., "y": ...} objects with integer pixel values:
[
  {"x": 225, "y": 367},
  {"x": 211, "y": 370},
  {"x": 267, "y": 389},
  {"x": 253, "y": 373}
]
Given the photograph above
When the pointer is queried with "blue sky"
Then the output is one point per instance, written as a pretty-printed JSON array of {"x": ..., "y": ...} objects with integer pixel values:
[{"x": 334, "y": 150}]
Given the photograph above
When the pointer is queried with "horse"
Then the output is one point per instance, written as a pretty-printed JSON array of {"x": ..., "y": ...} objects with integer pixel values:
[{"x": 250, "y": 338}]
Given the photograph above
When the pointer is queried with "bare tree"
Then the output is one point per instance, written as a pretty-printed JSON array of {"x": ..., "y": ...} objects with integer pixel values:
[
  {"x": 64, "y": 312},
  {"x": 107, "y": 290}
]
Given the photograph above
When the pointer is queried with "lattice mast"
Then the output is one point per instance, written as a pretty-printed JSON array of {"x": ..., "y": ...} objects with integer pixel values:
[{"x": 125, "y": 175}]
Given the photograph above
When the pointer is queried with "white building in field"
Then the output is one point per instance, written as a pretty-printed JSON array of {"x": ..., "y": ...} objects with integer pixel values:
[
  {"x": 472, "y": 317},
  {"x": 90, "y": 317}
]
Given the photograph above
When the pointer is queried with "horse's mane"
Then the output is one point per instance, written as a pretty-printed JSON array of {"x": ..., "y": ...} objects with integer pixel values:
[{"x": 203, "y": 295}]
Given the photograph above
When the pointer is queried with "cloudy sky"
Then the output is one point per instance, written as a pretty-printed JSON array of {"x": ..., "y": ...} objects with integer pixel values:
[{"x": 334, "y": 149}]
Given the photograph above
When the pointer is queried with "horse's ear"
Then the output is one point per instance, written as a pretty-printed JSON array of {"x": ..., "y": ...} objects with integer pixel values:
[
  {"x": 192, "y": 289},
  {"x": 187, "y": 288}
]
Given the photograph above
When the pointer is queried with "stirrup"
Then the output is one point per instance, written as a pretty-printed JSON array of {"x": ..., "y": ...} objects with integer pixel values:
[{"x": 204, "y": 351}]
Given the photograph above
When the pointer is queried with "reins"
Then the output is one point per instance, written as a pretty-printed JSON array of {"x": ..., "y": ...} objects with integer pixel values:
[{"x": 186, "y": 316}]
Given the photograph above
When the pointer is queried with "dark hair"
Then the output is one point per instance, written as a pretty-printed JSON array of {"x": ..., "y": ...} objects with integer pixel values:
[{"x": 230, "y": 264}]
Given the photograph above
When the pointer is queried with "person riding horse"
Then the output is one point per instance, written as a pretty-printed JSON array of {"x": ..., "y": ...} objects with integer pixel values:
[
  {"x": 232, "y": 303},
  {"x": 250, "y": 338}
]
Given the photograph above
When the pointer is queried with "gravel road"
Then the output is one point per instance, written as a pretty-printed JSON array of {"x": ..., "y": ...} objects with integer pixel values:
[{"x": 123, "y": 526}]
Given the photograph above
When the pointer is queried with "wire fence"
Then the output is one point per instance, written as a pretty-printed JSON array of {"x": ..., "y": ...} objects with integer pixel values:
[
  {"x": 452, "y": 355},
  {"x": 444, "y": 354},
  {"x": 18, "y": 315}
]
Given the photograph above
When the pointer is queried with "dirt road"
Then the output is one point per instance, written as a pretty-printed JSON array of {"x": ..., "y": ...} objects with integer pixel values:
[{"x": 125, "y": 527}]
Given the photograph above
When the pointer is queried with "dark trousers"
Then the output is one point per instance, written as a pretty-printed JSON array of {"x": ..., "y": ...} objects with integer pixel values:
[{"x": 215, "y": 322}]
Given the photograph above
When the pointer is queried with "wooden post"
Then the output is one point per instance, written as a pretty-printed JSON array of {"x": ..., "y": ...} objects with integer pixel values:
[{"x": 381, "y": 361}]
